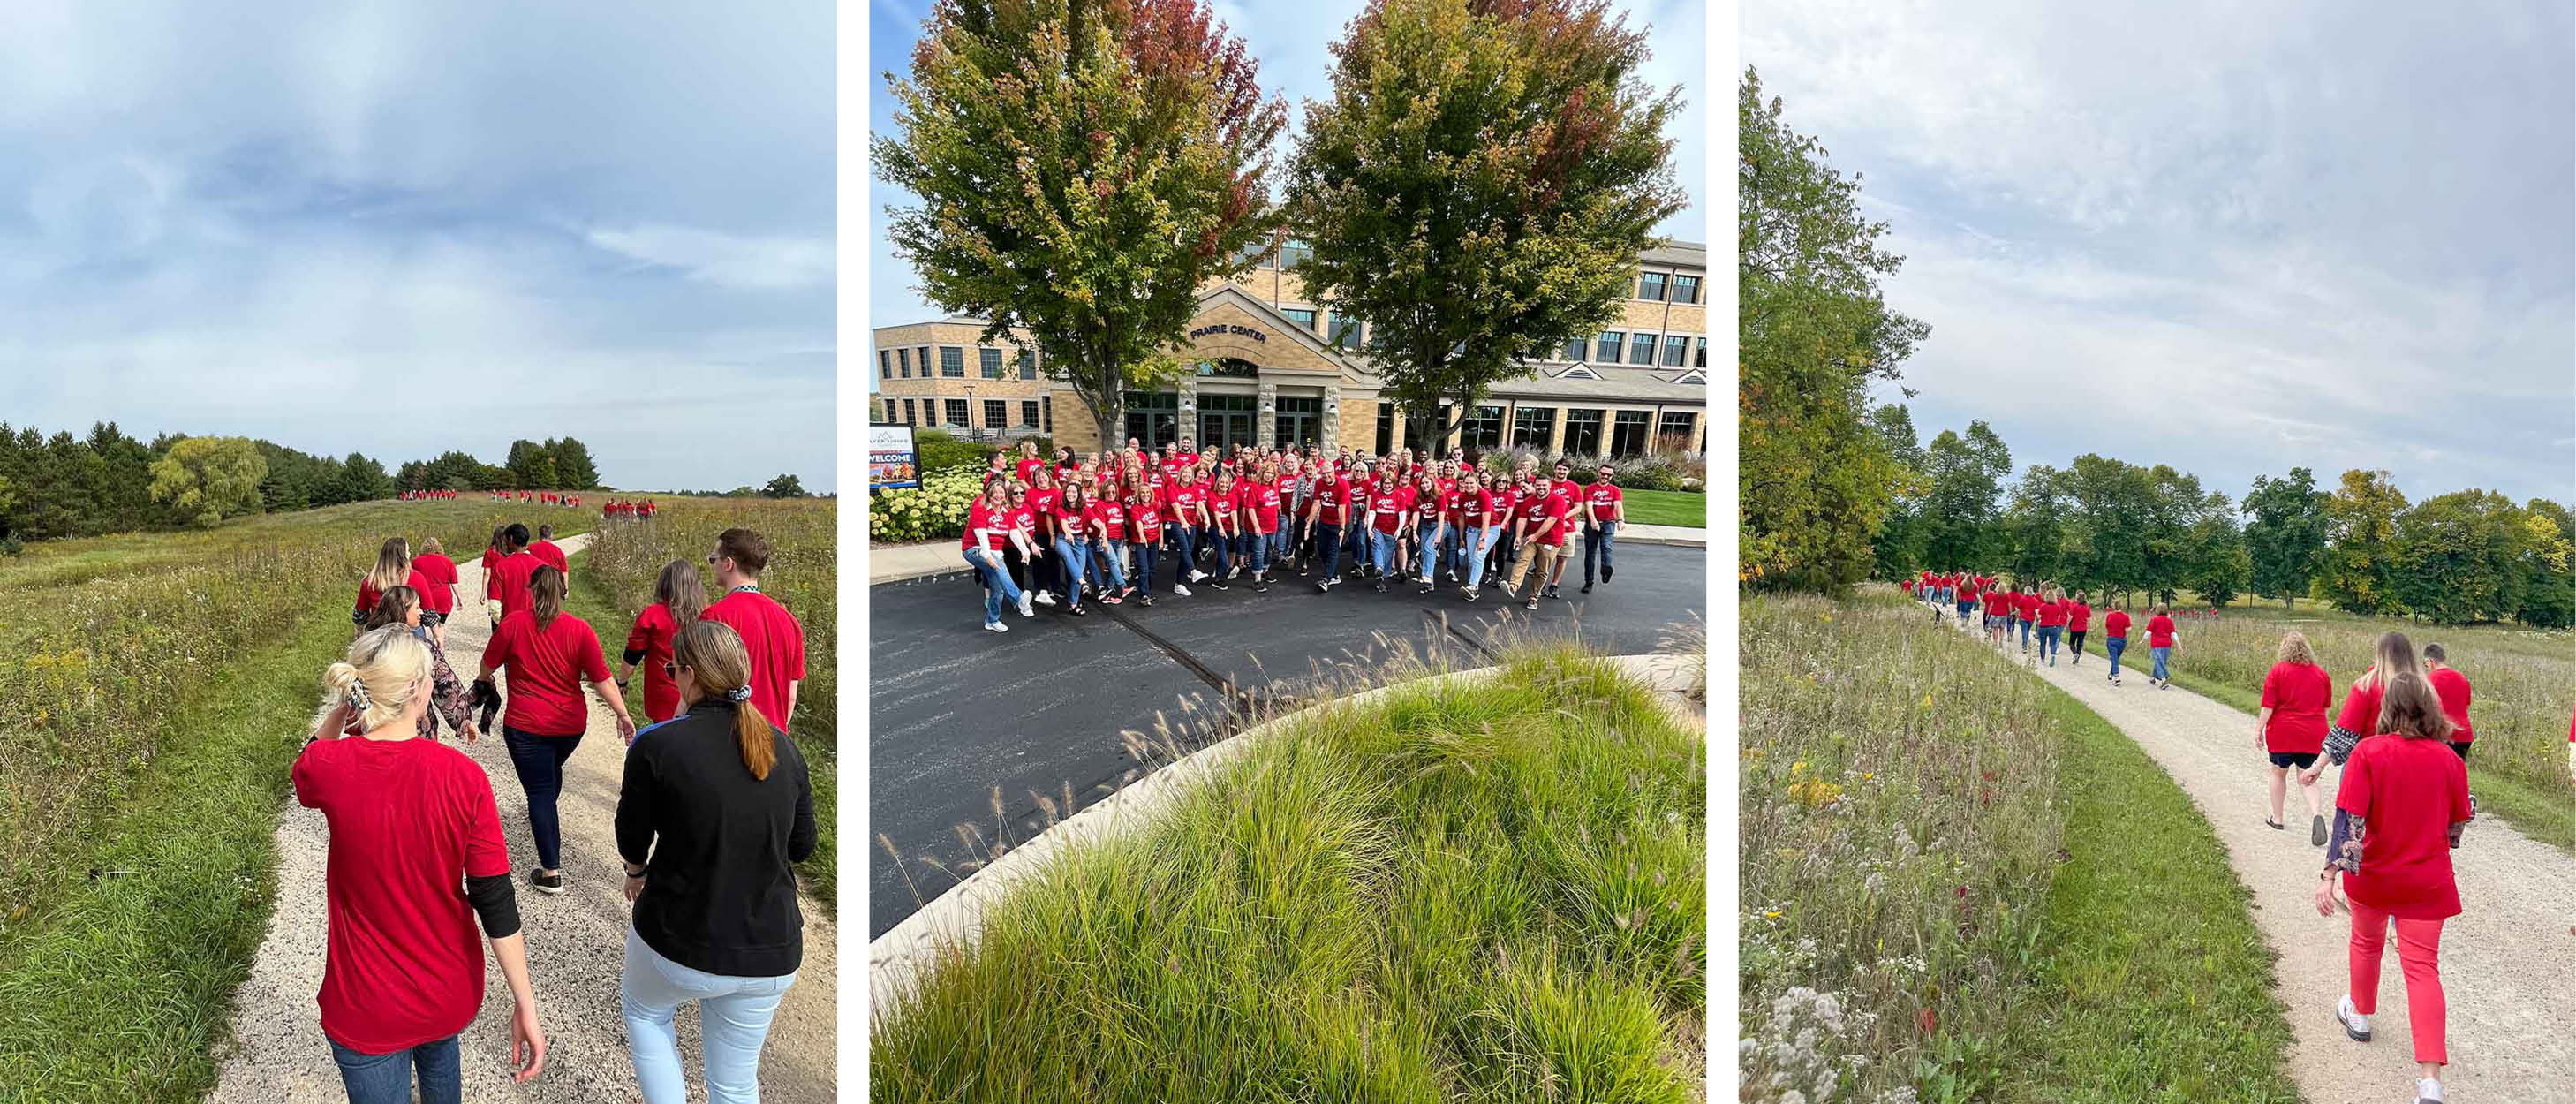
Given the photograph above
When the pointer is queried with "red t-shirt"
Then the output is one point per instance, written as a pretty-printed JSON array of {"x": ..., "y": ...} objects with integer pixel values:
[
  {"x": 1332, "y": 500},
  {"x": 550, "y": 553},
  {"x": 1388, "y": 505},
  {"x": 1452, "y": 505},
  {"x": 2052, "y": 613},
  {"x": 776, "y": 642},
  {"x": 2360, "y": 713},
  {"x": 2115, "y": 625},
  {"x": 654, "y": 630},
  {"x": 368, "y": 595},
  {"x": 2298, "y": 695},
  {"x": 440, "y": 573},
  {"x": 2409, "y": 793},
  {"x": 1024, "y": 518},
  {"x": 1602, "y": 501},
  {"x": 2453, "y": 688},
  {"x": 547, "y": 669},
  {"x": 2078, "y": 616},
  {"x": 508, "y": 581},
  {"x": 1147, "y": 518},
  {"x": 2029, "y": 604},
  {"x": 1046, "y": 504},
  {"x": 1027, "y": 467},
  {"x": 1109, "y": 515},
  {"x": 1263, "y": 498},
  {"x": 1559, "y": 507},
  {"x": 1184, "y": 501},
  {"x": 2160, "y": 631},
  {"x": 410, "y": 821},
  {"x": 491, "y": 556},
  {"x": 1909, "y": 586}
]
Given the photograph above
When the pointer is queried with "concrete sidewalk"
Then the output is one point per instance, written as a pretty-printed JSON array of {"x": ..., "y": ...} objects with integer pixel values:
[{"x": 894, "y": 563}]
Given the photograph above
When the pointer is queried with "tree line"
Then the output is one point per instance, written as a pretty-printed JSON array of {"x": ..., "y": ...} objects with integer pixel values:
[
  {"x": 2110, "y": 526},
  {"x": 60, "y": 485}
]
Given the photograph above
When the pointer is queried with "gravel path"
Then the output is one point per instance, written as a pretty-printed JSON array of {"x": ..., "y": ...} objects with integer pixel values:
[
  {"x": 2508, "y": 975},
  {"x": 576, "y": 947}
]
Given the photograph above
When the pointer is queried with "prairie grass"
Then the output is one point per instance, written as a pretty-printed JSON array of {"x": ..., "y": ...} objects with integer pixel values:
[
  {"x": 2524, "y": 682},
  {"x": 1486, "y": 891},
  {"x": 1935, "y": 910},
  {"x": 625, "y": 559}
]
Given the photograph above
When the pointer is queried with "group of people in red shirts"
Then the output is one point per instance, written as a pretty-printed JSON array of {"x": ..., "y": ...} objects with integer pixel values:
[
  {"x": 426, "y": 495},
  {"x": 715, "y": 807},
  {"x": 535, "y": 498},
  {"x": 618, "y": 509},
  {"x": 1106, "y": 523},
  {"x": 2023, "y": 610}
]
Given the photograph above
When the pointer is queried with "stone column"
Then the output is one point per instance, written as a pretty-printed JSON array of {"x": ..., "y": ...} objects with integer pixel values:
[
  {"x": 1186, "y": 422},
  {"x": 1265, "y": 419},
  {"x": 1328, "y": 429}
]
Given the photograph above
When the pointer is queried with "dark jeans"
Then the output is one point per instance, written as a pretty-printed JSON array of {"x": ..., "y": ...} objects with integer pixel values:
[
  {"x": 539, "y": 761},
  {"x": 1144, "y": 576},
  {"x": 1328, "y": 544},
  {"x": 1184, "y": 541},
  {"x": 1597, "y": 542},
  {"x": 387, "y": 1078},
  {"x": 2075, "y": 641},
  {"x": 2115, "y": 646}
]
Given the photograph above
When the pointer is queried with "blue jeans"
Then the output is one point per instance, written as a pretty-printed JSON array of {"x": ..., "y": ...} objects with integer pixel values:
[
  {"x": 733, "y": 1022},
  {"x": 1145, "y": 553},
  {"x": 1426, "y": 545},
  {"x": 1283, "y": 543},
  {"x": 387, "y": 1078},
  {"x": 1478, "y": 542},
  {"x": 1184, "y": 542},
  {"x": 1381, "y": 551},
  {"x": 539, "y": 761},
  {"x": 1598, "y": 539},
  {"x": 1256, "y": 547},
  {"x": 2048, "y": 637},
  {"x": 2160, "y": 654},
  {"x": 1108, "y": 556},
  {"x": 1073, "y": 557},
  {"x": 997, "y": 583},
  {"x": 2024, "y": 622},
  {"x": 2116, "y": 645},
  {"x": 1328, "y": 545}
]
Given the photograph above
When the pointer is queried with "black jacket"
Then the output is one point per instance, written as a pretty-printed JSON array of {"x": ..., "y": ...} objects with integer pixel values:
[{"x": 719, "y": 893}]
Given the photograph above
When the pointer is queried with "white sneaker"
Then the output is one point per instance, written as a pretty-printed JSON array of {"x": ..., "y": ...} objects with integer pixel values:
[
  {"x": 1025, "y": 611},
  {"x": 1044, "y": 598},
  {"x": 996, "y": 626},
  {"x": 2354, "y": 1023},
  {"x": 1180, "y": 590},
  {"x": 1197, "y": 575},
  {"x": 2428, "y": 1090}
]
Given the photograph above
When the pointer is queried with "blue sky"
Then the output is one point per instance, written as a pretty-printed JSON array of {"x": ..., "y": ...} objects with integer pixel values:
[
  {"x": 1292, "y": 42},
  {"x": 408, "y": 227},
  {"x": 2233, "y": 238}
]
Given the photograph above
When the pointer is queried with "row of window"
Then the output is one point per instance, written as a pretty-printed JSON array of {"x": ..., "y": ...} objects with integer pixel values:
[
  {"x": 1655, "y": 286},
  {"x": 899, "y": 363},
  {"x": 1679, "y": 350},
  {"x": 1630, "y": 431},
  {"x": 1034, "y": 415}
]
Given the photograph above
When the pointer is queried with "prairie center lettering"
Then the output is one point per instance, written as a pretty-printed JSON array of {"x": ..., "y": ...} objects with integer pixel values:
[{"x": 1246, "y": 331}]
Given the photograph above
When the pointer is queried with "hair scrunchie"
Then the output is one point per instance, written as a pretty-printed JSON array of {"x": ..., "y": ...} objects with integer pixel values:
[
  {"x": 358, "y": 698},
  {"x": 738, "y": 694}
]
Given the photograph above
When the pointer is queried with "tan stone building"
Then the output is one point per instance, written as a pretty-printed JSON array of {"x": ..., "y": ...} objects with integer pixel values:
[{"x": 1275, "y": 367}]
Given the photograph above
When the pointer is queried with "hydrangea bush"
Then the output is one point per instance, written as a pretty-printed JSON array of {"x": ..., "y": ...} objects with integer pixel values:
[{"x": 935, "y": 510}]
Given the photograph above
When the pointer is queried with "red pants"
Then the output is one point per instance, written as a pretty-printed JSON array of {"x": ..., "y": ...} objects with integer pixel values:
[{"x": 2419, "y": 944}]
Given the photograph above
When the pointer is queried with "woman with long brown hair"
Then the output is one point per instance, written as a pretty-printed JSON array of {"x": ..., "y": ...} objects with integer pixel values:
[
  {"x": 678, "y": 598},
  {"x": 393, "y": 569},
  {"x": 550, "y": 654},
  {"x": 2391, "y": 656},
  {"x": 714, "y": 811},
  {"x": 2291, "y": 728},
  {"x": 402, "y": 606}
]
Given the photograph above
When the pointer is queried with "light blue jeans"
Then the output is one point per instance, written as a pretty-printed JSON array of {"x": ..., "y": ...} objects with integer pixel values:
[
  {"x": 1075, "y": 557},
  {"x": 1479, "y": 542},
  {"x": 733, "y": 1019},
  {"x": 1382, "y": 551},
  {"x": 2160, "y": 654},
  {"x": 1109, "y": 556},
  {"x": 2116, "y": 645},
  {"x": 1426, "y": 541},
  {"x": 998, "y": 587}
]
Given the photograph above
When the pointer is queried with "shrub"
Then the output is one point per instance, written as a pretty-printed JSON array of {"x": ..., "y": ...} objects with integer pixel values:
[
  {"x": 932, "y": 511},
  {"x": 1653, "y": 472}
]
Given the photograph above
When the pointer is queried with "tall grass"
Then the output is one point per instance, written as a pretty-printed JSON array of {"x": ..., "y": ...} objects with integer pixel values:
[
  {"x": 1919, "y": 923},
  {"x": 1483, "y": 892},
  {"x": 624, "y": 561}
]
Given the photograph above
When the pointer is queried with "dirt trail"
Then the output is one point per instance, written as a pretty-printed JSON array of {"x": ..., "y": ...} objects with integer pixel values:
[
  {"x": 2508, "y": 973},
  {"x": 576, "y": 946}
]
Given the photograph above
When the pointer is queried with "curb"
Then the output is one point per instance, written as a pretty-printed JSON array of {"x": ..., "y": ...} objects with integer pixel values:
[
  {"x": 958, "y": 566},
  {"x": 950, "y": 922}
]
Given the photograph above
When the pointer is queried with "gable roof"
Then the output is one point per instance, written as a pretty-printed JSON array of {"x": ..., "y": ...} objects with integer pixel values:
[{"x": 1231, "y": 294}]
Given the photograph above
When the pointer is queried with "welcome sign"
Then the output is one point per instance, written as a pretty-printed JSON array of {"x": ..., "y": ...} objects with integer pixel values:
[{"x": 892, "y": 462}]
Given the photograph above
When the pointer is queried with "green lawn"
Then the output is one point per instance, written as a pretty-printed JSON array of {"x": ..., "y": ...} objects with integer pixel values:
[
  {"x": 1685, "y": 508},
  {"x": 1488, "y": 892}
]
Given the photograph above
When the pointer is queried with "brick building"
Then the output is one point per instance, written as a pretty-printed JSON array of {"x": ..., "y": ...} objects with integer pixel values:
[{"x": 1275, "y": 367}]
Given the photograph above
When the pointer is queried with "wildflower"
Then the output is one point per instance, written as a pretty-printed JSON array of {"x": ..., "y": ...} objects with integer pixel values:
[{"x": 1927, "y": 1020}]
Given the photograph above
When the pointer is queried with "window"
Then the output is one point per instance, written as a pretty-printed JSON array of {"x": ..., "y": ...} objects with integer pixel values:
[
  {"x": 1483, "y": 429},
  {"x": 1579, "y": 372},
  {"x": 1234, "y": 367},
  {"x": 1628, "y": 432},
  {"x": 1651, "y": 286},
  {"x": 1675, "y": 432},
  {"x": 1029, "y": 412},
  {"x": 1701, "y": 359},
  {"x": 1685, "y": 288},
  {"x": 1692, "y": 376},
  {"x": 1345, "y": 330},
  {"x": 1256, "y": 251},
  {"x": 1606, "y": 350},
  {"x": 997, "y": 413},
  {"x": 952, "y": 362},
  {"x": 1534, "y": 426},
  {"x": 1028, "y": 364},
  {"x": 1046, "y": 417},
  {"x": 908, "y": 413},
  {"x": 890, "y": 409},
  {"x": 956, "y": 412},
  {"x": 921, "y": 356},
  {"x": 1583, "y": 431},
  {"x": 992, "y": 365},
  {"x": 885, "y": 365},
  {"x": 1385, "y": 428},
  {"x": 1152, "y": 418},
  {"x": 1574, "y": 348},
  {"x": 903, "y": 364},
  {"x": 1676, "y": 349},
  {"x": 1641, "y": 348},
  {"x": 1293, "y": 253},
  {"x": 1300, "y": 316}
]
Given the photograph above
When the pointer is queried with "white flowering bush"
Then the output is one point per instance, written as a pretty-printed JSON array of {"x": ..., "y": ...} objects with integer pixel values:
[{"x": 932, "y": 511}]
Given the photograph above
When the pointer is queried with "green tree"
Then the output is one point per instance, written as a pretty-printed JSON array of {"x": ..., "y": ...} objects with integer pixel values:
[
  {"x": 1813, "y": 332},
  {"x": 2219, "y": 562},
  {"x": 1478, "y": 187},
  {"x": 532, "y": 465},
  {"x": 1082, "y": 167},
  {"x": 2287, "y": 537},
  {"x": 364, "y": 480},
  {"x": 573, "y": 467},
  {"x": 784, "y": 486},
  {"x": 2038, "y": 522},
  {"x": 2106, "y": 543},
  {"x": 1962, "y": 500},
  {"x": 2457, "y": 557},
  {"x": 2173, "y": 506},
  {"x": 2355, "y": 572},
  {"x": 1903, "y": 536},
  {"x": 210, "y": 478}
]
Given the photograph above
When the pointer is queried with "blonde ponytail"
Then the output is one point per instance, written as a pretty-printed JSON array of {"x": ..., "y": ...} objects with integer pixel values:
[{"x": 377, "y": 678}]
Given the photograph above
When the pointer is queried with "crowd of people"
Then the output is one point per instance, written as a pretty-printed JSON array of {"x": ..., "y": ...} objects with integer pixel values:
[
  {"x": 625, "y": 509},
  {"x": 1071, "y": 529},
  {"x": 2403, "y": 735},
  {"x": 714, "y": 808},
  {"x": 533, "y": 498},
  {"x": 427, "y": 495}
]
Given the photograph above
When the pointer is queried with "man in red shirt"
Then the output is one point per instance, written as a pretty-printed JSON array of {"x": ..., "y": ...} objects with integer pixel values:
[
  {"x": 505, "y": 583},
  {"x": 1543, "y": 527},
  {"x": 2449, "y": 685},
  {"x": 2160, "y": 644},
  {"x": 549, "y": 553},
  {"x": 1605, "y": 508},
  {"x": 772, "y": 635}
]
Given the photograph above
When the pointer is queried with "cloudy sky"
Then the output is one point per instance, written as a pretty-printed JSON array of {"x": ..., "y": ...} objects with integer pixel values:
[
  {"x": 1292, "y": 41},
  {"x": 404, "y": 227},
  {"x": 2231, "y": 238}
]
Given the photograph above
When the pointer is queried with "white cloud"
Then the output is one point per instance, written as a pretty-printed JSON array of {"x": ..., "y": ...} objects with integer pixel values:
[{"x": 725, "y": 260}]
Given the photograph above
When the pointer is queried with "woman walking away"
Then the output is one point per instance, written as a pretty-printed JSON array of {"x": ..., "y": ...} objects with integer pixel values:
[
  {"x": 2453, "y": 688},
  {"x": 393, "y": 569},
  {"x": 677, "y": 601},
  {"x": 2160, "y": 645},
  {"x": 447, "y": 699},
  {"x": 2079, "y": 616},
  {"x": 411, "y": 821},
  {"x": 2052, "y": 624},
  {"x": 2291, "y": 728},
  {"x": 433, "y": 566},
  {"x": 714, "y": 810},
  {"x": 988, "y": 532},
  {"x": 549, "y": 654},
  {"x": 2391, "y": 656},
  {"x": 2115, "y": 637},
  {"x": 2414, "y": 797}
]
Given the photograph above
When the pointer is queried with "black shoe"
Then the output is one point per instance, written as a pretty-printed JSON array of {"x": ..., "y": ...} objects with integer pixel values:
[
  {"x": 1217, "y": 582},
  {"x": 1381, "y": 586},
  {"x": 2316, "y": 831},
  {"x": 1605, "y": 573},
  {"x": 543, "y": 882},
  {"x": 1426, "y": 589},
  {"x": 1077, "y": 610},
  {"x": 1552, "y": 591},
  {"x": 1146, "y": 601},
  {"x": 1260, "y": 586},
  {"x": 1587, "y": 589}
]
